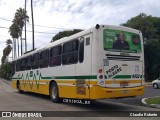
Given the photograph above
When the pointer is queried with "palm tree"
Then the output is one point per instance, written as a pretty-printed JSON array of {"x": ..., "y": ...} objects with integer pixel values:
[
  {"x": 10, "y": 48},
  {"x": 8, "y": 41},
  {"x": 20, "y": 18},
  {"x": 14, "y": 30}
]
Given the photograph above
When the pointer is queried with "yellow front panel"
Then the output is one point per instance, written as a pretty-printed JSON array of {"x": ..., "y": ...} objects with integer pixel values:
[
  {"x": 98, "y": 92},
  {"x": 14, "y": 84},
  {"x": 119, "y": 81}
]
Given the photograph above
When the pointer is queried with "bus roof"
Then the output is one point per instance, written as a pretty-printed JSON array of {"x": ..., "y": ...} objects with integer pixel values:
[{"x": 69, "y": 38}]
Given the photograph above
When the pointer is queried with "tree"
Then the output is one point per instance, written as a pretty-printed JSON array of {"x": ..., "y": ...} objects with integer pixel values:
[
  {"x": 5, "y": 70},
  {"x": 14, "y": 30},
  {"x": 19, "y": 19},
  {"x": 150, "y": 28},
  {"x": 65, "y": 34},
  {"x": 6, "y": 53},
  {"x": 8, "y": 42},
  {"x": 148, "y": 25}
]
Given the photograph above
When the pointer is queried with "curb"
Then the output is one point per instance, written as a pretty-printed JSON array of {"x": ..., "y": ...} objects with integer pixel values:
[
  {"x": 6, "y": 81},
  {"x": 150, "y": 105}
]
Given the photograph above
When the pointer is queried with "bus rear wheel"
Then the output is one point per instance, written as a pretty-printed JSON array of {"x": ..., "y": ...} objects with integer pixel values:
[
  {"x": 19, "y": 88},
  {"x": 54, "y": 94}
]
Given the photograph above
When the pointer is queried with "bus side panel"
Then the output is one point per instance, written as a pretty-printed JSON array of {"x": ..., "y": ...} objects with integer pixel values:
[
  {"x": 84, "y": 69},
  {"x": 67, "y": 91},
  {"x": 41, "y": 88},
  {"x": 66, "y": 82}
]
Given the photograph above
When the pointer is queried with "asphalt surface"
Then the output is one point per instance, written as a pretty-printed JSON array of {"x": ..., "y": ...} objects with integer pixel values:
[
  {"x": 149, "y": 92},
  {"x": 11, "y": 100}
]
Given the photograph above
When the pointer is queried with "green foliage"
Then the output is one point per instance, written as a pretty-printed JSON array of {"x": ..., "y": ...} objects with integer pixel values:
[
  {"x": 14, "y": 30},
  {"x": 152, "y": 58},
  {"x": 150, "y": 28},
  {"x": 16, "y": 27},
  {"x": 65, "y": 34},
  {"x": 148, "y": 25},
  {"x": 8, "y": 42},
  {"x": 5, "y": 70},
  {"x": 3, "y": 59},
  {"x": 6, "y": 52},
  {"x": 19, "y": 19},
  {"x": 154, "y": 100}
]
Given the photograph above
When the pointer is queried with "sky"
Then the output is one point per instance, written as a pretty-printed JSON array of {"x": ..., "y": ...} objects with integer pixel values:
[{"x": 53, "y": 16}]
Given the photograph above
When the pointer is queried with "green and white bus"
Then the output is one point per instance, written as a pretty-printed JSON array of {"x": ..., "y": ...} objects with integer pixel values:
[{"x": 102, "y": 62}]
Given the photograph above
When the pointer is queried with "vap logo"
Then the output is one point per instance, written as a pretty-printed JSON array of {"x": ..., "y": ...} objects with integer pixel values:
[
  {"x": 128, "y": 37},
  {"x": 6, "y": 114}
]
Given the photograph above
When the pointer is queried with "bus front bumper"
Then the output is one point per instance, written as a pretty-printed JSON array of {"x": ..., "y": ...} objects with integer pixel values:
[{"x": 98, "y": 92}]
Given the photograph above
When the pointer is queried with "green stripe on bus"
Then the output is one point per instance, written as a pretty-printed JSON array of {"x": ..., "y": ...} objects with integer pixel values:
[
  {"x": 76, "y": 77},
  {"x": 46, "y": 77},
  {"x": 65, "y": 77},
  {"x": 16, "y": 78}
]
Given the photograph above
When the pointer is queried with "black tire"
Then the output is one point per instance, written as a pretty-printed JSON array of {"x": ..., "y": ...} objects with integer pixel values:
[
  {"x": 19, "y": 88},
  {"x": 155, "y": 85},
  {"x": 54, "y": 93}
]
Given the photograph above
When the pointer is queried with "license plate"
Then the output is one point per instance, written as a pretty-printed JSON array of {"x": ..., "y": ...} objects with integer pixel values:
[
  {"x": 123, "y": 84},
  {"x": 125, "y": 91}
]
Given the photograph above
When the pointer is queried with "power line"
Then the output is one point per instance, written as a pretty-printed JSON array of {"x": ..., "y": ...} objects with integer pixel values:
[
  {"x": 37, "y": 25},
  {"x": 3, "y": 36},
  {"x": 31, "y": 31},
  {"x": 42, "y": 32},
  {"x": 5, "y": 19}
]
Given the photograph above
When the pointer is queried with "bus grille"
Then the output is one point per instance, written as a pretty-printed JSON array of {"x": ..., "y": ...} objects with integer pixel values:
[{"x": 122, "y": 57}]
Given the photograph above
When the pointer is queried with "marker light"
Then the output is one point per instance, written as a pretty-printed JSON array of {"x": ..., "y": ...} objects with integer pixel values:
[
  {"x": 100, "y": 70},
  {"x": 101, "y": 76}
]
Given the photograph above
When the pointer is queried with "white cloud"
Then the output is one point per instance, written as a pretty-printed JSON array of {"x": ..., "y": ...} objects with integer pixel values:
[{"x": 71, "y": 14}]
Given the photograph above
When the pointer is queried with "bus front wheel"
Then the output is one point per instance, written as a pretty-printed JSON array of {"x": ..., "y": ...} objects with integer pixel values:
[{"x": 53, "y": 92}]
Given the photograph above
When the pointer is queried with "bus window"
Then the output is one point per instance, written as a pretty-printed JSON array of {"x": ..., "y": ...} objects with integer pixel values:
[
  {"x": 55, "y": 56},
  {"x": 18, "y": 65},
  {"x": 87, "y": 41},
  {"x": 13, "y": 67},
  {"x": 28, "y": 62},
  {"x": 70, "y": 52},
  {"x": 44, "y": 58},
  {"x": 81, "y": 50},
  {"x": 23, "y": 64},
  {"x": 35, "y": 61}
]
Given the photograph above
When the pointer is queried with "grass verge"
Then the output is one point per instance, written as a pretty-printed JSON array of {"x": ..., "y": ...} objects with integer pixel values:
[{"x": 155, "y": 100}]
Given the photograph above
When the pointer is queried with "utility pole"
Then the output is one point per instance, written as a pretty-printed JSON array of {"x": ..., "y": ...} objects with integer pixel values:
[
  {"x": 32, "y": 23},
  {"x": 25, "y": 30}
]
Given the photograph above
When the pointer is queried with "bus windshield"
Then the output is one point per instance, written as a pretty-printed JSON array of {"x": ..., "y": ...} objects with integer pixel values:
[{"x": 121, "y": 41}]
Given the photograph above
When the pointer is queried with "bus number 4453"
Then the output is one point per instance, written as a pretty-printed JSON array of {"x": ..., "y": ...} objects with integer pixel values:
[{"x": 136, "y": 76}]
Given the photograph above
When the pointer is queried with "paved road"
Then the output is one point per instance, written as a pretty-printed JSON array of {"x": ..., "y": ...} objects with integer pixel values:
[
  {"x": 149, "y": 92},
  {"x": 11, "y": 100}
]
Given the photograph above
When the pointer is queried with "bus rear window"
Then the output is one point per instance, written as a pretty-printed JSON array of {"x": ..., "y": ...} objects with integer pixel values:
[{"x": 121, "y": 41}]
